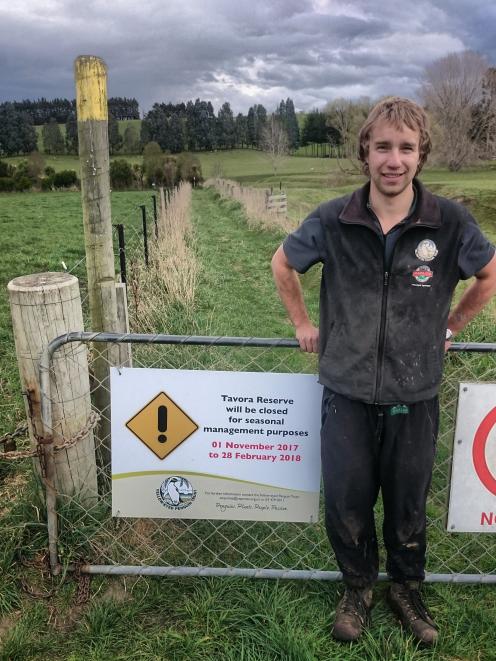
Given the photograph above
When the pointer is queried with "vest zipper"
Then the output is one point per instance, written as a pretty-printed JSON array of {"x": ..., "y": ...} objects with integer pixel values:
[{"x": 382, "y": 329}]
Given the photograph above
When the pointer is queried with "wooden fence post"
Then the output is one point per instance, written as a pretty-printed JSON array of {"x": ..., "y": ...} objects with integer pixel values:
[
  {"x": 44, "y": 306},
  {"x": 92, "y": 118}
]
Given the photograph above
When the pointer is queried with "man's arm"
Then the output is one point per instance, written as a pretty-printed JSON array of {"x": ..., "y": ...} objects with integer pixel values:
[
  {"x": 474, "y": 298},
  {"x": 289, "y": 288}
]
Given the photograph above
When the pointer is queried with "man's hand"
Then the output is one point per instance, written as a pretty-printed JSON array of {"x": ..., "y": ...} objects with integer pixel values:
[{"x": 308, "y": 337}]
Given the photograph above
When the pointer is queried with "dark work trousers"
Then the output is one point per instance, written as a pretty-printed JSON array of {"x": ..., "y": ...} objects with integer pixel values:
[{"x": 367, "y": 448}]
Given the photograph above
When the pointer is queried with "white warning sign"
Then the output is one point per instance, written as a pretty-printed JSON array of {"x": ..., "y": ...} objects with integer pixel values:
[{"x": 472, "y": 506}]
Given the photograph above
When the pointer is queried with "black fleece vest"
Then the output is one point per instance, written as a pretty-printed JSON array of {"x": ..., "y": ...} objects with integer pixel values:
[{"x": 382, "y": 333}]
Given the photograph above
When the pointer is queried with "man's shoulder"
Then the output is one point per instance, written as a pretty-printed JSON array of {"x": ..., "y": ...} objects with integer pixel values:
[
  {"x": 451, "y": 206},
  {"x": 329, "y": 211},
  {"x": 452, "y": 210}
]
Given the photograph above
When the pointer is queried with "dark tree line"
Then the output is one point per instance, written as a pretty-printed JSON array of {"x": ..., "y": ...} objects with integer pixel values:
[
  {"x": 42, "y": 110},
  {"x": 194, "y": 126},
  {"x": 18, "y": 135},
  {"x": 318, "y": 129}
]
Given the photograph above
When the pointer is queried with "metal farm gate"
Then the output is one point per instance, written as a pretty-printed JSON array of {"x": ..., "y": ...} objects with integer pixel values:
[{"x": 84, "y": 533}]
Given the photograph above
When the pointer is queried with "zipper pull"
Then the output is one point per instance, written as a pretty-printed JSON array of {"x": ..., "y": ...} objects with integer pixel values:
[{"x": 386, "y": 278}]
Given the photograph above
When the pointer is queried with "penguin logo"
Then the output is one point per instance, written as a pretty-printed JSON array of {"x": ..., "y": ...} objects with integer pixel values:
[
  {"x": 426, "y": 250},
  {"x": 176, "y": 493}
]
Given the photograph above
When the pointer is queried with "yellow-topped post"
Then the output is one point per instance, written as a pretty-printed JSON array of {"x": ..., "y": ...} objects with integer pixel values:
[
  {"x": 92, "y": 117},
  {"x": 91, "y": 88}
]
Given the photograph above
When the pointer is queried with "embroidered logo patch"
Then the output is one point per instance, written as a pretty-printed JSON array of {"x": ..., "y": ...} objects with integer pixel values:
[
  {"x": 422, "y": 274},
  {"x": 398, "y": 409},
  {"x": 426, "y": 250}
]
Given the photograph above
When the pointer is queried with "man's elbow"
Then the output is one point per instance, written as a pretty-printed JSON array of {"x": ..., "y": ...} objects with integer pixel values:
[
  {"x": 487, "y": 276},
  {"x": 279, "y": 261}
]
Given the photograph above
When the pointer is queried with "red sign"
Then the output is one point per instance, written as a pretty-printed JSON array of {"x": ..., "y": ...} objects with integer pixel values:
[{"x": 479, "y": 451}]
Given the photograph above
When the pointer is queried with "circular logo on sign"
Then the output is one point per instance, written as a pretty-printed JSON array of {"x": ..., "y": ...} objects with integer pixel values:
[
  {"x": 176, "y": 493},
  {"x": 426, "y": 250},
  {"x": 479, "y": 452},
  {"x": 422, "y": 274}
]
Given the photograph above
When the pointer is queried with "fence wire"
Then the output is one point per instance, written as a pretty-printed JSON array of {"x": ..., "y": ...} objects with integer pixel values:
[
  {"x": 133, "y": 248},
  {"x": 88, "y": 532}
]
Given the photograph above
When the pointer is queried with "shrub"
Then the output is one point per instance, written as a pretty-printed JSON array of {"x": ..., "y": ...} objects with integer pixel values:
[
  {"x": 153, "y": 163},
  {"x": 47, "y": 183},
  {"x": 189, "y": 168},
  {"x": 49, "y": 171},
  {"x": 21, "y": 169},
  {"x": 22, "y": 183},
  {"x": 65, "y": 179},
  {"x": 121, "y": 174},
  {"x": 6, "y": 184},
  {"x": 138, "y": 175},
  {"x": 6, "y": 170}
]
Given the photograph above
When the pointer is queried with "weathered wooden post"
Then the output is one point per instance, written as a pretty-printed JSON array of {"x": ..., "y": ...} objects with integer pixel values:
[
  {"x": 92, "y": 118},
  {"x": 44, "y": 306}
]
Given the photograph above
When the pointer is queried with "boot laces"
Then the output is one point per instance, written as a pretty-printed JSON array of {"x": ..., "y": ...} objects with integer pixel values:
[
  {"x": 414, "y": 605},
  {"x": 353, "y": 603}
]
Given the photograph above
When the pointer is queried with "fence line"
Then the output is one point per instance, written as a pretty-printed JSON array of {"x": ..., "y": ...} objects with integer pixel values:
[{"x": 262, "y": 206}]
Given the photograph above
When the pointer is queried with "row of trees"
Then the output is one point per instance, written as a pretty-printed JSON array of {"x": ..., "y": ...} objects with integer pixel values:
[
  {"x": 18, "y": 135},
  {"x": 194, "y": 126},
  {"x": 43, "y": 110},
  {"x": 175, "y": 127}
]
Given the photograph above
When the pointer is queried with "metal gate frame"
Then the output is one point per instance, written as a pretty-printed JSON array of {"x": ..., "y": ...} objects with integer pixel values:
[{"x": 151, "y": 570}]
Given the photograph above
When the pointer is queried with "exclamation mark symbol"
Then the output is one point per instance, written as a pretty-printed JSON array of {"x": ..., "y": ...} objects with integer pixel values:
[{"x": 162, "y": 423}]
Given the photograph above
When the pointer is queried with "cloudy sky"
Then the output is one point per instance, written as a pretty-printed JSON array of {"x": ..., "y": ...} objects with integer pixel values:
[{"x": 241, "y": 51}]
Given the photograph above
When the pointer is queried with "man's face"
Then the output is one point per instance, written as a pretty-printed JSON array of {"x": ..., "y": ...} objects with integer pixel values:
[{"x": 393, "y": 158}]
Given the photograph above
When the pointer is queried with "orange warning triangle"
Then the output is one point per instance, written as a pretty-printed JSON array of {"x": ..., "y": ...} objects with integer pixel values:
[{"x": 162, "y": 425}]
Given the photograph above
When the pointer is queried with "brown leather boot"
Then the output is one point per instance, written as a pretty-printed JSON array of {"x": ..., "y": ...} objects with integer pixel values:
[
  {"x": 406, "y": 602},
  {"x": 352, "y": 614}
]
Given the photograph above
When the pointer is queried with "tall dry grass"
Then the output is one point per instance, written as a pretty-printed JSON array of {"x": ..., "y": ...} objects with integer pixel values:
[
  {"x": 169, "y": 281},
  {"x": 254, "y": 201}
]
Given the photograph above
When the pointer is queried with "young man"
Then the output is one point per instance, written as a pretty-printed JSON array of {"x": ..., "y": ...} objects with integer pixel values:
[{"x": 392, "y": 254}]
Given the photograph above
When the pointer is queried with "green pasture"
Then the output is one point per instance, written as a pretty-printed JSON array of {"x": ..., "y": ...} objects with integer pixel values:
[{"x": 205, "y": 619}]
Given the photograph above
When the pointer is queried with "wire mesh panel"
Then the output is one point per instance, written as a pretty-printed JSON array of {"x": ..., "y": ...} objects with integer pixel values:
[{"x": 89, "y": 533}]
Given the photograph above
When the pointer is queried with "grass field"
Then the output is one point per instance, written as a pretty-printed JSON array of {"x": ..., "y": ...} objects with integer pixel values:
[{"x": 208, "y": 619}]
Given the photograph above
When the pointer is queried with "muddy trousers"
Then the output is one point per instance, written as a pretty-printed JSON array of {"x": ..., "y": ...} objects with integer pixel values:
[{"x": 367, "y": 448}]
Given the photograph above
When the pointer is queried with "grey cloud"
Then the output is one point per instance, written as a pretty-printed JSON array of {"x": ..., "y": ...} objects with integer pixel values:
[{"x": 178, "y": 50}]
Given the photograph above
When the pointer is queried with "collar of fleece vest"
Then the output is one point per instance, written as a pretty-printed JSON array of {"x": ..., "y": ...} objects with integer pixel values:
[{"x": 427, "y": 211}]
